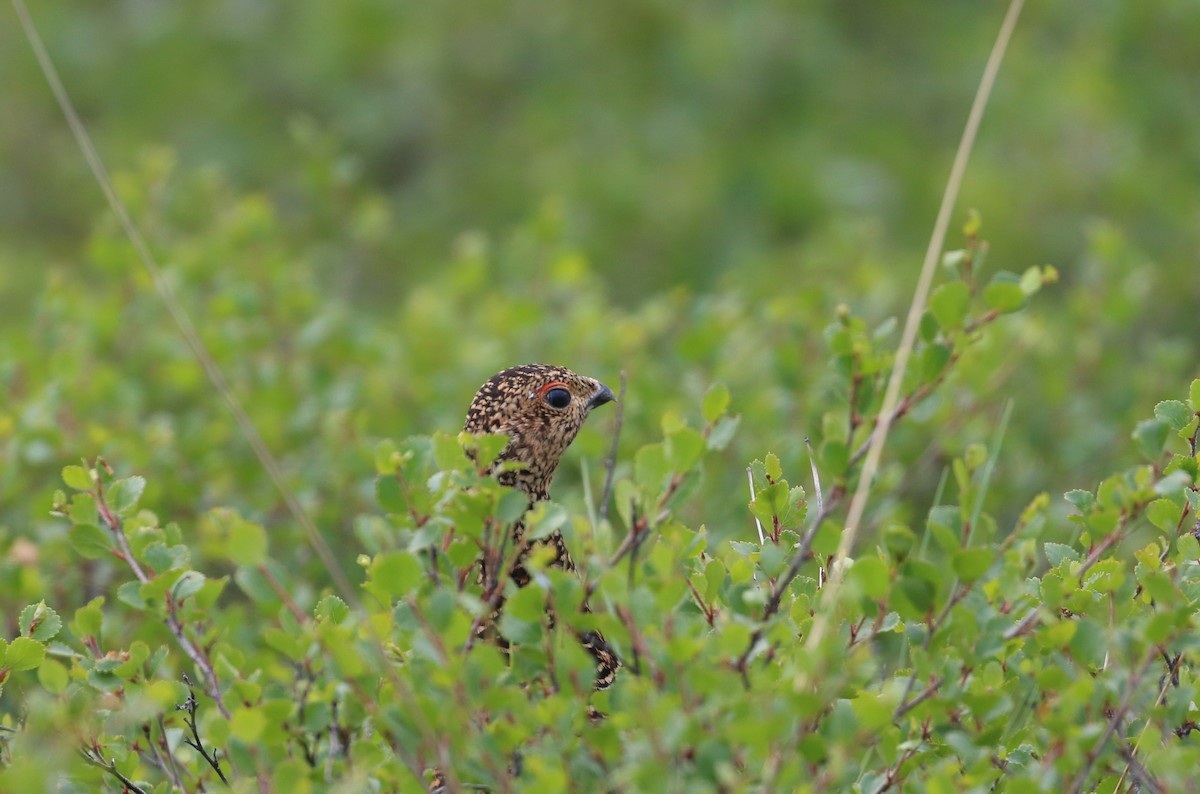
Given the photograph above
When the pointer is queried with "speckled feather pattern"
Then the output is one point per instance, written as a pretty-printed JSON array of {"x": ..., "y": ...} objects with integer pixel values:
[
  {"x": 512, "y": 402},
  {"x": 520, "y": 402}
]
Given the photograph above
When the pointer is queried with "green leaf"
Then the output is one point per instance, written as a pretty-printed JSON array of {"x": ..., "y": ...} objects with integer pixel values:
[
  {"x": 684, "y": 447},
  {"x": 650, "y": 468},
  {"x": 332, "y": 609},
  {"x": 871, "y": 574},
  {"x": 485, "y": 448},
  {"x": 899, "y": 540},
  {"x": 872, "y": 710},
  {"x": 89, "y": 619},
  {"x": 949, "y": 304},
  {"x": 1003, "y": 293},
  {"x": 90, "y": 541},
  {"x": 1083, "y": 500},
  {"x": 448, "y": 453},
  {"x": 387, "y": 458},
  {"x": 389, "y": 495},
  {"x": 529, "y": 604},
  {"x": 520, "y": 631},
  {"x": 716, "y": 402},
  {"x": 123, "y": 495},
  {"x": 77, "y": 477},
  {"x": 918, "y": 584},
  {"x": 1158, "y": 586},
  {"x": 462, "y": 552},
  {"x": 714, "y": 578},
  {"x": 772, "y": 467},
  {"x": 1187, "y": 547},
  {"x": 973, "y": 223},
  {"x": 247, "y": 542},
  {"x": 1057, "y": 552},
  {"x": 934, "y": 360},
  {"x": 53, "y": 676},
  {"x": 1150, "y": 436},
  {"x": 39, "y": 622},
  {"x": 952, "y": 259},
  {"x": 1031, "y": 280},
  {"x": 397, "y": 572},
  {"x": 139, "y": 652},
  {"x": 1194, "y": 394},
  {"x": 24, "y": 653},
  {"x": 161, "y": 557},
  {"x": 1174, "y": 413},
  {"x": 722, "y": 432},
  {"x": 187, "y": 585},
  {"x": 971, "y": 564},
  {"x": 511, "y": 505},
  {"x": 945, "y": 522},
  {"x": 248, "y": 724},
  {"x": 131, "y": 593},
  {"x": 1164, "y": 514},
  {"x": 1056, "y": 635}
]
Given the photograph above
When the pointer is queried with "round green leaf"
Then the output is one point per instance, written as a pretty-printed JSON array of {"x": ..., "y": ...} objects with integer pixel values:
[
  {"x": 77, "y": 477},
  {"x": 1003, "y": 293},
  {"x": 949, "y": 304},
  {"x": 23, "y": 653},
  {"x": 716, "y": 401},
  {"x": 398, "y": 572},
  {"x": 970, "y": 564}
]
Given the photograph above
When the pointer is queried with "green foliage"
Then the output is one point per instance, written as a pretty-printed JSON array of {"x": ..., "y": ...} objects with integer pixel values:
[
  {"x": 733, "y": 234},
  {"x": 970, "y": 646}
]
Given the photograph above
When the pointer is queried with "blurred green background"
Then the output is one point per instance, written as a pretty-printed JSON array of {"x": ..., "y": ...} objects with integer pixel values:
[{"x": 370, "y": 207}]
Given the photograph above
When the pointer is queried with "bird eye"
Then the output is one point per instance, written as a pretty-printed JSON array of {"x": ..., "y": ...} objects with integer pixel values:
[{"x": 558, "y": 397}]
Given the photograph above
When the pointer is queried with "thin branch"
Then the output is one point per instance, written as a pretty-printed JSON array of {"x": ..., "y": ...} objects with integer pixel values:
[
  {"x": 110, "y": 519},
  {"x": 164, "y": 759},
  {"x": 1022, "y": 625},
  {"x": 801, "y": 556},
  {"x": 93, "y": 757},
  {"x": 893, "y": 772},
  {"x": 710, "y": 613},
  {"x": 189, "y": 719},
  {"x": 1118, "y": 716},
  {"x": 934, "y": 685},
  {"x": 283, "y": 594}
]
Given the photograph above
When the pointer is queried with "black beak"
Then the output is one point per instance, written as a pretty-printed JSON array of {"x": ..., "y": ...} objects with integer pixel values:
[{"x": 603, "y": 395}]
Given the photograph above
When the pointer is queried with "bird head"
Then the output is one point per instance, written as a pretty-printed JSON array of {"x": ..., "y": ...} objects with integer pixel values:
[{"x": 540, "y": 408}]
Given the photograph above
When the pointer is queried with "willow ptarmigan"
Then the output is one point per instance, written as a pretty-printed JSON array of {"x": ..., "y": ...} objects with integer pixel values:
[{"x": 540, "y": 408}]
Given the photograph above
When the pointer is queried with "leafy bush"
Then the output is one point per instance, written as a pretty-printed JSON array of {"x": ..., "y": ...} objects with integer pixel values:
[{"x": 164, "y": 639}]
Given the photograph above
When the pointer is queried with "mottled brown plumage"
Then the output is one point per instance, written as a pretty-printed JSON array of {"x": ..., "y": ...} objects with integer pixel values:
[{"x": 541, "y": 408}]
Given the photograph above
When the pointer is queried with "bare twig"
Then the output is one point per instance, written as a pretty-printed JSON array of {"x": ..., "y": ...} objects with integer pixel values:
[
  {"x": 189, "y": 708},
  {"x": 93, "y": 757}
]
